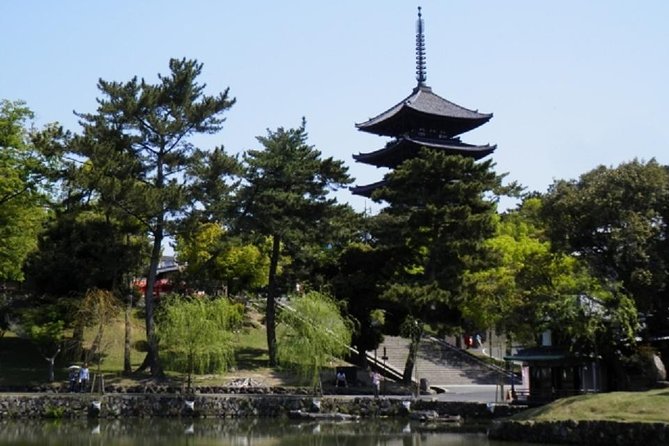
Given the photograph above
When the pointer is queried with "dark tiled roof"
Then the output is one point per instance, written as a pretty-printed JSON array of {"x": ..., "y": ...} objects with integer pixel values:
[
  {"x": 539, "y": 354},
  {"x": 424, "y": 109},
  {"x": 407, "y": 147},
  {"x": 366, "y": 190}
]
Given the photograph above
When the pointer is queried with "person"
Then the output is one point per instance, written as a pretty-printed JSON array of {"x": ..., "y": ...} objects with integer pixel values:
[
  {"x": 84, "y": 376},
  {"x": 479, "y": 342},
  {"x": 73, "y": 378},
  {"x": 341, "y": 379},
  {"x": 376, "y": 382}
]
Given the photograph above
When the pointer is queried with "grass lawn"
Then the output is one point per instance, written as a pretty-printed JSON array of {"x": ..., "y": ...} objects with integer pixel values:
[
  {"x": 22, "y": 364},
  {"x": 649, "y": 406}
]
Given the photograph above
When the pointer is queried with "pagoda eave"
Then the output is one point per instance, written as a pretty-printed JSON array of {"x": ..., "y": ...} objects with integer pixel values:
[
  {"x": 406, "y": 120},
  {"x": 367, "y": 189},
  {"x": 424, "y": 109},
  {"x": 404, "y": 148}
]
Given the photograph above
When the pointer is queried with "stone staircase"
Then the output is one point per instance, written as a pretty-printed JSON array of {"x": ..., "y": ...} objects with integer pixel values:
[{"x": 439, "y": 362}]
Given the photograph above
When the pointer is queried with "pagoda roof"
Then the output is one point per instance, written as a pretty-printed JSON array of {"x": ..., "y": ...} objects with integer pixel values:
[
  {"x": 367, "y": 189},
  {"x": 424, "y": 110},
  {"x": 405, "y": 147}
]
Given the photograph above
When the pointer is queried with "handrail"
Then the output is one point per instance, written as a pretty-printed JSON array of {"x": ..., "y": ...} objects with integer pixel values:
[{"x": 507, "y": 373}]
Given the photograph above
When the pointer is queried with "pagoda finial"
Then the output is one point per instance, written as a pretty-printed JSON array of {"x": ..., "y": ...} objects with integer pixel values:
[{"x": 421, "y": 70}]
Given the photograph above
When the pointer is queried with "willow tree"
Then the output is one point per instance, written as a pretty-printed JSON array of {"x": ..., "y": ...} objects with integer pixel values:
[
  {"x": 312, "y": 333},
  {"x": 197, "y": 333},
  {"x": 98, "y": 310},
  {"x": 138, "y": 156}
]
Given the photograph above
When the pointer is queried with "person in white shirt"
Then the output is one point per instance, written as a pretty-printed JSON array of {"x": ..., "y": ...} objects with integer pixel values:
[{"x": 84, "y": 376}]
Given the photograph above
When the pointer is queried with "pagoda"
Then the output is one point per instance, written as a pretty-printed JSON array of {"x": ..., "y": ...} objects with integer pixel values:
[{"x": 422, "y": 119}]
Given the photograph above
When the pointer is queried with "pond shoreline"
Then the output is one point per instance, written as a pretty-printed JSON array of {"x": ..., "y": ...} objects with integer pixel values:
[
  {"x": 476, "y": 417},
  {"x": 146, "y": 405},
  {"x": 590, "y": 432}
]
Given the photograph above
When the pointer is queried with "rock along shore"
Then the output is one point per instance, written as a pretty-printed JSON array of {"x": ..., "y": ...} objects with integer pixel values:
[
  {"x": 593, "y": 433},
  {"x": 145, "y": 405}
]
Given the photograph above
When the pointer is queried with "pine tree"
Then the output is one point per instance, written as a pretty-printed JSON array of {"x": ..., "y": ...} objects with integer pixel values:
[
  {"x": 285, "y": 198},
  {"x": 137, "y": 150}
]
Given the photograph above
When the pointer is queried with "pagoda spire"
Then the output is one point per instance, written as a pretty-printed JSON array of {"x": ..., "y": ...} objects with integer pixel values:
[{"x": 421, "y": 70}]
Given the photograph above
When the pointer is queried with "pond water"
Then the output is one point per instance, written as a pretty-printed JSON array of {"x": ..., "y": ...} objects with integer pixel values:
[{"x": 256, "y": 432}]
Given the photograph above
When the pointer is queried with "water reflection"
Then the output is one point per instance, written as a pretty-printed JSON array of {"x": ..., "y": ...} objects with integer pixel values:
[{"x": 254, "y": 432}]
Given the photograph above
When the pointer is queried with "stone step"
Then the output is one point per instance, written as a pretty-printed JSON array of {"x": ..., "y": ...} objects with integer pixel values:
[{"x": 438, "y": 362}]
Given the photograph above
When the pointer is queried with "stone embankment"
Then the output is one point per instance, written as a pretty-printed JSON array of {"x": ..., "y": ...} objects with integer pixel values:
[
  {"x": 123, "y": 405},
  {"x": 594, "y": 433}
]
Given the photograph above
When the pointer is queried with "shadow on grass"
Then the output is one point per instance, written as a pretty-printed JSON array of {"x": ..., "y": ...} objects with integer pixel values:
[
  {"x": 22, "y": 364},
  {"x": 249, "y": 358}
]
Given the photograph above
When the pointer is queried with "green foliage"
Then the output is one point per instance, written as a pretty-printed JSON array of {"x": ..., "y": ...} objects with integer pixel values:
[
  {"x": 196, "y": 333},
  {"x": 47, "y": 335},
  {"x": 287, "y": 194},
  {"x": 440, "y": 213},
  {"x": 360, "y": 268},
  {"x": 616, "y": 220},
  {"x": 215, "y": 260},
  {"x": 98, "y": 308},
  {"x": 82, "y": 249},
  {"x": 531, "y": 289},
  {"x": 21, "y": 197},
  {"x": 285, "y": 198},
  {"x": 55, "y": 412},
  {"x": 44, "y": 326},
  {"x": 43, "y": 323},
  {"x": 311, "y": 333},
  {"x": 140, "y": 160}
]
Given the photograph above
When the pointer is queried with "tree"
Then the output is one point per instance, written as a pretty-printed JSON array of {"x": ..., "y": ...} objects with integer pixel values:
[
  {"x": 531, "y": 289},
  {"x": 360, "y": 271},
  {"x": 284, "y": 197},
  {"x": 494, "y": 297},
  {"x": 22, "y": 192},
  {"x": 312, "y": 332},
  {"x": 137, "y": 149},
  {"x": 44, "y": 323},
  {"x": 216, "y": 261},
  {"x": 441, "y": 209},
  {"x": 81, "y": 248},
  {"x": 196, "y": 333},
  {"x": 616, "y": 220},
  {"x": 99, "y": 308}
]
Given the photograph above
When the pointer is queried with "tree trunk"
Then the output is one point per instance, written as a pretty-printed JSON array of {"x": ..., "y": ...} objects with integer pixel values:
[
  {"x": 51, "y": 360},
  {"x": 127, "y": 364},
  {"x": 190, "y": 372},
  {"x": 97, "y": 342},
  {"x": 270, "y": 317},
  {"x": 152, "y": 359},
  {"x": 78, "y": 340},
  {"x": 411, "y": 359}
]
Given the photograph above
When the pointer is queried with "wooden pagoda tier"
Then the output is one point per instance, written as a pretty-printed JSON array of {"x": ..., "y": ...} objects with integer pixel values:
[
  {"x": 422, "y": 119},
  {"x": 367, "y": 189},
  {"x": 427, "y": 113},
  {"x": 407, "y": 147}
]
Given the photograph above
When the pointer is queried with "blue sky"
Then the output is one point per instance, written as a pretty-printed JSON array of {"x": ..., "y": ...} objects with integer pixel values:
[{"x": 572, "y": 84}]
